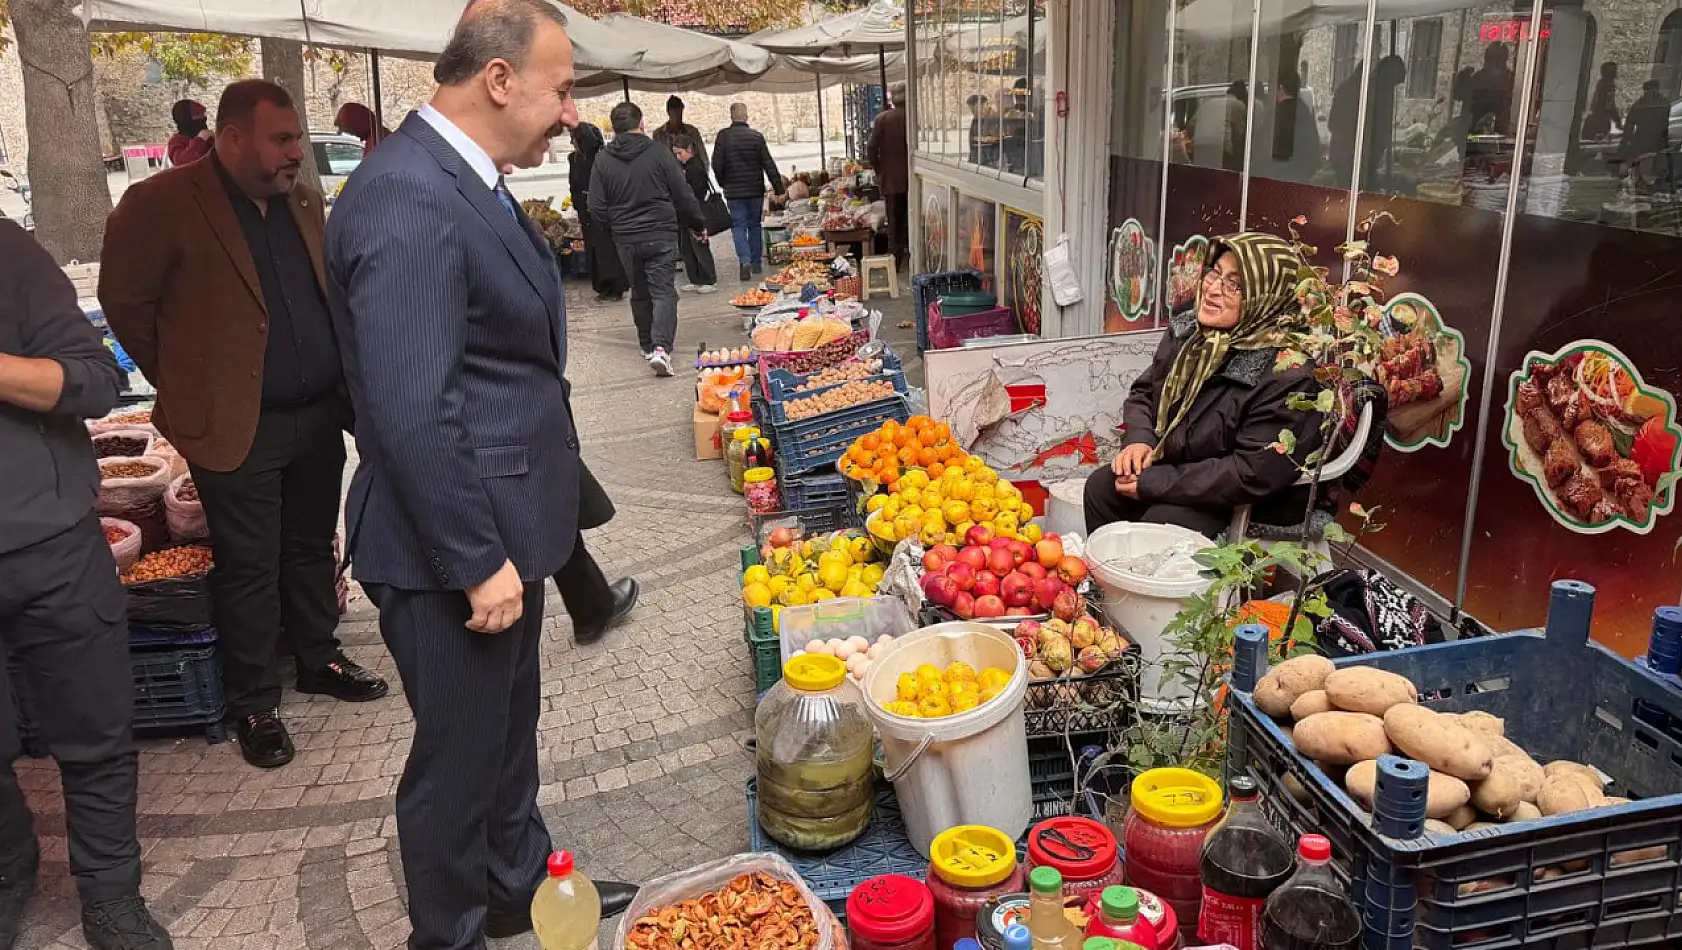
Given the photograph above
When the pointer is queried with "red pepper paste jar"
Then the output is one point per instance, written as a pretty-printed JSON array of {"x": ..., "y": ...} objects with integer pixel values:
[
  {"x": 891, "y": 912},
  {"x": 968, "y": 866},
  {"x": 1172, "y": 812},
  {"x": 1082, "y": 850}
]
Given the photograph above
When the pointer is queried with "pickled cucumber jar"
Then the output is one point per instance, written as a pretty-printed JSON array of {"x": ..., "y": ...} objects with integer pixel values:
[
  {"x": 813, "y": 744},
  {"x": 736, "y": 448}
]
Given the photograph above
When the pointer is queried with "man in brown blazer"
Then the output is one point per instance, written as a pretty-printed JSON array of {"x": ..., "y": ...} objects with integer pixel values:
[
  {"x": 887, "y": 151},
  {"x": 211, "y": 278}
]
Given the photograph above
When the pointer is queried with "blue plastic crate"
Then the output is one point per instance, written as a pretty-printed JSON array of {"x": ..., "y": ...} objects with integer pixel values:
[
  {"x": 818, "y": 442},
  {"x": 927, "y": 288},
  {"x": 178, "y": 689},
  {"x": 1562, "y": 698},
  {"x": 140, "y": 636},
  {"x": 784, "y": 385},
  {"x": 779, "y": 402},
  {"x": 812, "y": 489}
]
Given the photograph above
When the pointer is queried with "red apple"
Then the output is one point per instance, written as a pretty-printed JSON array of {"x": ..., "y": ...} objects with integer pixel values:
[
  {"x": 940, "y": 589},
  {"x": 961, "y": 575},
  {"x": 1000, "y": 562},
  {"x": 964, "y": 605},
  {"x": 1072, "y": 570},
  {"x": 1046, "y": 590},
  {"x": 1048, "y": 551},
  {"x": 1017, "y": 589},
  {"x": 1021, "y": 552},
  {"x": 1032, "y": 570},
  {"x": 1016, "y": 612},
  {"x": 975, "y": 556},
  {"x": 986, "y": 582},
  {"x": 988, "y": 607},
  {"x": 978, "y": 534},
  {"x": 1000, "y": 542}
]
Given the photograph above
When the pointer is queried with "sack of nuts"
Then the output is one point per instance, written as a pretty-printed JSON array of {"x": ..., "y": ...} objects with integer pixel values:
[
  {"x": 183, "y": 512},
  {"x": 124, "y": 443},
  {"x": 124, "y": 538},
  {"x": 126, "y": 484},
  {"x": 747, "y": 900},
  {"x": 169, "y": 589}
]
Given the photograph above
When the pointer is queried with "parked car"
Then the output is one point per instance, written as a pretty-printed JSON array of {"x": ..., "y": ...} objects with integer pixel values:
[
  {"x": 336, "y": 156},
  {"x": 19, "y": 186}
]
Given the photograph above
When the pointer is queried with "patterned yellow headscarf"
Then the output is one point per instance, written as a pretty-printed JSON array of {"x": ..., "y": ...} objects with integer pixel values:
[{"x": 1267, "y": 265}]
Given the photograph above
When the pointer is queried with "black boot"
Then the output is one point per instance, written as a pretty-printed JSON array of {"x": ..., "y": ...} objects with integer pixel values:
[
  {"x": 624, "y": 600},
  {"x": 123, "y": 924},
  {"x": 263, "y": 739}
]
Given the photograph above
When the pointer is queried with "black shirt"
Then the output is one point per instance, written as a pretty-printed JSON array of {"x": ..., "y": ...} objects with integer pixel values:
[{"x": 301, "y": 360}]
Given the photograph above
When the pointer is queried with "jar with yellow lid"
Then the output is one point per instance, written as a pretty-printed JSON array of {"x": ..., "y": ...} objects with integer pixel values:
[
  {"x": 968, "y": 866},
  {"x": 1173, "y": 812},
  {"x": 759, "y": 486},
  {"x": 736, "y": 451},
  {"x": 813, "y": 748}
]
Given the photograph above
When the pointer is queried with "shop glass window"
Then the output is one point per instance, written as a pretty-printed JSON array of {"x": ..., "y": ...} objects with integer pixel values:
[
  {"x": 1211, "y": 96},
  {"x": 1134, "y": 273},
  {"x": 338, "y": 158},
  {"x": 1294, "y": 87},
  {"x": 1346, "y": 51},
  {"x": 1425, "y": 41}
]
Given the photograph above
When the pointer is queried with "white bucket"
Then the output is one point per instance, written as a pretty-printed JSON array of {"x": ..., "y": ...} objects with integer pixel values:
[
  {"x": 1142, "y": 605},
  {"x": 1065, "y": 507},
  {"x": 970, "y": 768}
]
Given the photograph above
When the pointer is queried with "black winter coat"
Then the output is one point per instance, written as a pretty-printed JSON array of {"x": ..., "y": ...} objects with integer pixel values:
[
  {"x": 742, "y": 161},
  {"x": 637, "y": 190},
  {"x": 1221, "y": 455}
]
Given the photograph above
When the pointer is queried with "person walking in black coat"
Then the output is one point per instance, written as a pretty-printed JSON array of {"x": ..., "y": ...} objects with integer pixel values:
[
  {"x": 697, "y": 251},
  {"x": 742, "y": 161},
  {"x": 601, "y": 257}
]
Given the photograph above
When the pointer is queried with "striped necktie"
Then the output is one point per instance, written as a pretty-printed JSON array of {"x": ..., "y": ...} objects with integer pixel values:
[{"x": 507, "y": 199}]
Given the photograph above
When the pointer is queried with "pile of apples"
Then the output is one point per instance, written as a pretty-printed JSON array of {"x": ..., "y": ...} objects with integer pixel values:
[{"x": 1002, "y": 577}]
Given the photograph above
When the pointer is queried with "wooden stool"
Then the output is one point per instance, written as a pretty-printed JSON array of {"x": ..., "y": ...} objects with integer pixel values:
[{"x": 883, "y": 263}]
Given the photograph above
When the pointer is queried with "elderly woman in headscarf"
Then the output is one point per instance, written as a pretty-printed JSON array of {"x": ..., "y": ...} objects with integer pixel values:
[
  {"x": 356, "y": 119},
  {"x": 1202, "y": 421},
  {"x": 192, "y": 137}
]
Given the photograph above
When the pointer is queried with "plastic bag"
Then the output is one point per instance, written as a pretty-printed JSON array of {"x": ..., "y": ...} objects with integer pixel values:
[
  {"x": 161, "y": 448},
  {"x": 1060, "y": 270},
  {"x": 843, "y": 617},
  {"x": 185, "y": 516},
  {"x": 131, "y": 419},
  {"x": 714, "y": 875},
  {"x": 176, "y": 603},
  {"x": 121, "y": 495},
  {"x": 126, "y": 550},
  {"x": 108, "y": 443}
]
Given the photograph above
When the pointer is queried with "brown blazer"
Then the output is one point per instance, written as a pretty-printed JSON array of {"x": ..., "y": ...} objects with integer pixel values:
[
  {"x": 886, "y": 151},
  {"x": 180, "y": 291}
]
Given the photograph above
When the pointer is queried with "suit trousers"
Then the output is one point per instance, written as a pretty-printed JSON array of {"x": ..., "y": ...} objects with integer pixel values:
[
  {"x": 584, "y": 588},
  {"x": 62, "y": 625},
  {"x": 653, "y": 269},
  {"x": 467, "y": 819},
  {"x": 271, "y": 522}
]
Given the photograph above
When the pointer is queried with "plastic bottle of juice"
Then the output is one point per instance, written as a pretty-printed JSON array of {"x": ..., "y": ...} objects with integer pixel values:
[
  {"x": 566, "y": 912},
  {"x": 1118, "y": 918},
  {"x": 1048, "y": 927}
]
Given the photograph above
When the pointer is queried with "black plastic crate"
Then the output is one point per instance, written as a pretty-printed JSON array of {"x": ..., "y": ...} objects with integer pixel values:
[
  {"x": 813, "y": 520},
  {"x": 927, "y": 288},
  {"x": 176, "y": 689},
  {"x": 814, "y": 489}
]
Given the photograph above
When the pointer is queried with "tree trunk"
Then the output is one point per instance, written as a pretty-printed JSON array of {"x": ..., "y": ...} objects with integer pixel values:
[
  {"x": 283, "y": 64},
  {"x": 70, "y": 194}
]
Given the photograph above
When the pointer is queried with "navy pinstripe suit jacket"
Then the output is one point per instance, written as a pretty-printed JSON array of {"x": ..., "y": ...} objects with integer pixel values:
[{"x": 452, "y": 330}]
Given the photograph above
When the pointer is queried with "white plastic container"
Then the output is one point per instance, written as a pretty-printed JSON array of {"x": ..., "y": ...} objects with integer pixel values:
[
  {"x": 1142, "y": 605},
  {"x": 1065, "y": 507},
  {"x": 970, "y": 768}
]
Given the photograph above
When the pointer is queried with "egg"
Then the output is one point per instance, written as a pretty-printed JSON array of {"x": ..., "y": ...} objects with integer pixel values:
[
  {"x": 885, "y": 638},
  {"x": 846, "y": 650},
  {"x": 820, "y": 647},
  {"x": 859, "y": 644},
  {"x": 875, "y": 650},
  {"x": 797, "y": 653},
  {"x": 857, "y": 662}
]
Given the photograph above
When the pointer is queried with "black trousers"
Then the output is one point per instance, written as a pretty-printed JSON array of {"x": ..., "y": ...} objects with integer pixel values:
[
  {"x": 271, "y": 523},
  {"x": 899, "y": 224},
  {"x": 698, "y": 265},
  {"x": 62, "y": 625},
  {"x": 584, "y": 588},
  {"x": 467, "y": 819},
  {"x": 1104, "y": 506}
]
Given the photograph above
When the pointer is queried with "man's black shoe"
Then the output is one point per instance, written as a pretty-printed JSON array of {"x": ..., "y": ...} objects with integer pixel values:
[
  {"x": 758, "y": 269},
  {"x": 343, "y": 679},
  {"x": 744, "y": 273},
  {"x": 123, "y": 924},
  {"x": 263, "y": 740},
  {"x": 15, "y": 892},
  {"x": 616, "y": 896},
  {"x": 625, "y": 592}
]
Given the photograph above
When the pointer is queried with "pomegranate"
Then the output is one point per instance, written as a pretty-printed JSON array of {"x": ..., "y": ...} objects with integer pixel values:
[
  {"x": 1017, "y": 589},
  {"x": 986, "y": 583},
  {"x": 1048, "y": 551},
  {"x": 979, "y": 535},
  {"x": 989, "y": 606},
  {"x": 783, "y": 537},
  {"x": 1067, "y": 605},
  {"x": 1026, "y": 643},
  {"x": 1072, "y": 570},
  {"x": 1028, "y": 628},
  {"x": 964, "y": 605},
  {"x": 961, "y": 575}
]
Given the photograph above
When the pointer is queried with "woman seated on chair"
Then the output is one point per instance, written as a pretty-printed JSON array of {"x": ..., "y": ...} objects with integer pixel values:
[{"x": 1202, "y": 420}]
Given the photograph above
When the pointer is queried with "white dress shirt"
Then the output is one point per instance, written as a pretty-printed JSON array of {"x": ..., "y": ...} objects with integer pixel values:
[{"x": 469, "y": 150}]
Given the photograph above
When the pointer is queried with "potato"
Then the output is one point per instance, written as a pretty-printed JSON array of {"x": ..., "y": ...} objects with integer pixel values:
[
  {"x": 1501, "y": 745},
  {"x": 1461, "y": 818},
  {"x": 1366, "y": 690},
  {"x": 1499, "y": 794},
  {"x": 1525, "y": 771},
  {"x": 1526, "y": 811},
  {"x": 1657, "y": 852},
  {"x": 1444, "y": 794},
  {"x": 1438, "y": 741},
  {"x": 1589, "y": 777},
  {"x": 1480, "y": 826},
  {"x": 1436, "y": 827},
  {"x": 1483, "y": 723},
  {"x": 1309, "y": 703},
  {"x": 1290, "y": 679},
  {"x": 1342, "y": 738},
  {"x": 1565, "y": 793}
]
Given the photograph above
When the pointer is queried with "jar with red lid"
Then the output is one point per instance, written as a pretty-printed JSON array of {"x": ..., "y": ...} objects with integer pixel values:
[
  {"x": 1082, "y": 850},
  {"x": 1172, "y": 812},
  {"x": 891, "y": 912},
  {"x": 968, "y": 866}
]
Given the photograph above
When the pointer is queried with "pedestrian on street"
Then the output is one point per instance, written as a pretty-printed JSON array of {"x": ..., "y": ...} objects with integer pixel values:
[
  {"x": 743, "y": 163},
  {"x": 698, "y": 263},
  {"x": 668, "y": 133},
  {"x": 886, "y": 152},
  {"x": 191, "y": 139},
  {"x": 452, "y": 326},
  {"x": 601, "y": 257},
  {"x": 61, "y": 607},
  {"x": 211, "y": 279},
  {"x": 639, "y": 192}
]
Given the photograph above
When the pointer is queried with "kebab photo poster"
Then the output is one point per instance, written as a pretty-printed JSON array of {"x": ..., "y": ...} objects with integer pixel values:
[
  {"x": 1597, "y": 443},
  {"x": 1423, "y": 369}
]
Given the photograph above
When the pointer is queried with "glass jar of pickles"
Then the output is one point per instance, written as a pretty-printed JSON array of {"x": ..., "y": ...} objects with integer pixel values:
[
  {"x": 759, "y": 485},
  {"x": 813, "y": 747},
  {"x": 737, "y": 441}
]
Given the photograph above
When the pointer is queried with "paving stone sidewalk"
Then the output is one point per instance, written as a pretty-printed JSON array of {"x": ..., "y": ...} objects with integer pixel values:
[{"x": 642, "y": 738}]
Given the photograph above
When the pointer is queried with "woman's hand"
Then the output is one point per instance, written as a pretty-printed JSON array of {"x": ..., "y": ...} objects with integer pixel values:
[{"x": 1132, "y": 461}]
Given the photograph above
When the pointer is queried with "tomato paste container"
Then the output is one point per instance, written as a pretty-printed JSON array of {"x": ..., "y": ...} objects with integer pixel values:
[
  {"x": 1082, "y": 850},
  {"x": 891, "y": 912},
  {"x": 968, "y": 866},
  {"x": 1173, "y": 811}
]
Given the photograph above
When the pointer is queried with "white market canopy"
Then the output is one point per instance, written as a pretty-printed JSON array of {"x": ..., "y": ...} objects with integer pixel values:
[
  {"x": 414, "y": 28},
  {"x": 788, "y": 75},
  {"x": 1227, "y": 19},
  {"x": 878, "y": 27},
  {"x": 676, "y": 58},
  {"x": 974, "y": 43}
]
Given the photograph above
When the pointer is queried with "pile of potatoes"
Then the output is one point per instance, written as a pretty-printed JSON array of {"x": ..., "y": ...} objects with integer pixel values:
[{"x": 1344, "y": 719}]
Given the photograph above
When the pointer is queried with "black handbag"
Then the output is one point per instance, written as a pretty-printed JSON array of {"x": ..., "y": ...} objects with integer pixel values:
[{"x": 716, "y": 213}]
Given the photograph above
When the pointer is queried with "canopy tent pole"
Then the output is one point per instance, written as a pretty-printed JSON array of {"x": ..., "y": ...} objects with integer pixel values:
[
  {"x": 627, "y": 81},
  {"x": 823, "y": 159},
  {"x": 379, "y": 107},
  {"x": 882, "y": 63}
]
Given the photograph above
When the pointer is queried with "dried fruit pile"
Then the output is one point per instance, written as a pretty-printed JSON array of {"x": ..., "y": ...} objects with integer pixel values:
[
  {"x": 114, "y": 534},
  {"x": 188, "y": 491},
  {"x": 841, "y": 397},
  {"x": 840, "y": 374},
  {"x": 120, "y": 445},
  {"x": 829, "y": 354},
  {"x": 752, "y": 912},
  {"x": 188, "y": 560},
  {"x": 128, "y": 470}
]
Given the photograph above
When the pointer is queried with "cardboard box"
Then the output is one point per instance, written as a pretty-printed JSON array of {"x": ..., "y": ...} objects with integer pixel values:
[{"x": 708, "y": 445}]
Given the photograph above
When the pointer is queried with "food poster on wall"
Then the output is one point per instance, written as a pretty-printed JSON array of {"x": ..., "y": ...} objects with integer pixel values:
[
  {"x": 1024, "y": 280},
  {"x": 937, "y": 226},
  {"x": 977, "y": 236},
  {"x": 1423, "y": 368},
  {"x": 1588, "y": 366},
  {"x": 1135, "y": 197},
  {"x": 1132, "y": 266}
]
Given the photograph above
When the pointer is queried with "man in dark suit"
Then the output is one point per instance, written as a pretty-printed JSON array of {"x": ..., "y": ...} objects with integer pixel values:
[
  {"x": 211, "y": 279},
  {"x": 449, "y": 315}
]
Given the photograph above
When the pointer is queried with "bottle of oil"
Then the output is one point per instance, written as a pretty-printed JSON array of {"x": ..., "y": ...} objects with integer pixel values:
[{"x": 566, "y": 912}]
